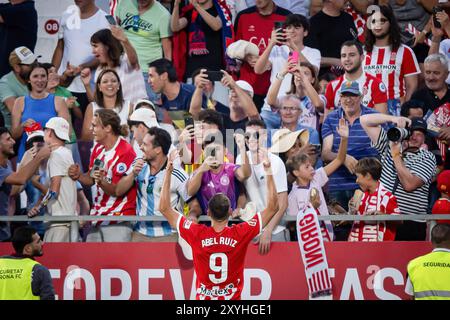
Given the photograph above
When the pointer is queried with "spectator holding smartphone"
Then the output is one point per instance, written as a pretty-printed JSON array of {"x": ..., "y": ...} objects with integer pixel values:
[
  {"x": 117, "y": 156},
  {"x": 304, "y": 85},
  {"x": 60, "y": 196},
  {"x": 255, "y": 24},
  {"x": 285, "y": 44},
  {"x": 214, "y": 175}
]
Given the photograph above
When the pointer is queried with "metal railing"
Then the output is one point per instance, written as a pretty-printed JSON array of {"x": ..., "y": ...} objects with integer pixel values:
[
  {"x": 340, "y": 217},
  {"x": 74, "y": 220}
]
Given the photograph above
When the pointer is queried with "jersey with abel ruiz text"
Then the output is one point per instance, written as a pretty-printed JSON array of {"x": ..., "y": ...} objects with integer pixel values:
[
  {"x": 392, "y": 67},
  {"x": 372, "y": 89},
  {"x": 383, "y": 201},
  {"x": 219, "y": 256},
  {"x": 116, "y": 161}
]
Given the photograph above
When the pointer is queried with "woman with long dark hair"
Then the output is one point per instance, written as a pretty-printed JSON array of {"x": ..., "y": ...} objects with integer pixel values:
[
  {"x": 389, "y": 60},
  {"x": 108, "y": 95},
  {"x": 38, "y": 106},
  {"x": 114, "y": 51}
]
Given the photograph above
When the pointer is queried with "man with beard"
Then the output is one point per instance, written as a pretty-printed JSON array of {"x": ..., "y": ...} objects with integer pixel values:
[
  {"x": 373, "y": 90},
  {"x": 389, "y": 60},
  {"x": 17, "y": 270},
  {"x": 14, "y": 84},
  {"x": 149, "y": 175},
  {"x": 8, "y": 177}
]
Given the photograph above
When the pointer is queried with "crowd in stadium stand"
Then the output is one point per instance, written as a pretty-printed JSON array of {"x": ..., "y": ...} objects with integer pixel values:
[{"x": 350, "y": 98}]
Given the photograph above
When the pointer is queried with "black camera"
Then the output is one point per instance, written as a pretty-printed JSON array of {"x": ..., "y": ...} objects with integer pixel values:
[{"x": 398, "y": 134}]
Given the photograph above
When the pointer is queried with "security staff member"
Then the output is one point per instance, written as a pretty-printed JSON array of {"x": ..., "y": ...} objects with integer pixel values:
[
  {"x": 429, "y": 275},
  {"x": 21, "y": 277}
]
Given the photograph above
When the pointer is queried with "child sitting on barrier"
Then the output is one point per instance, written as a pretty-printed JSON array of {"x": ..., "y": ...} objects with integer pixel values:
[{"x": 375, "y": 200}]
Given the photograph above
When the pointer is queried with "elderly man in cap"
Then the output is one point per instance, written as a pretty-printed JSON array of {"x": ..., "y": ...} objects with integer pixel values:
[
  {"x": 408, "y": 169},
  {"x": 14, "y": 83},
  {"x": 342, "y": 183}
]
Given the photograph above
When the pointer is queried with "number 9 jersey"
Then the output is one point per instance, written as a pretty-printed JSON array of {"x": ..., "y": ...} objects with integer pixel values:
[{"x": 219, "y": 256}]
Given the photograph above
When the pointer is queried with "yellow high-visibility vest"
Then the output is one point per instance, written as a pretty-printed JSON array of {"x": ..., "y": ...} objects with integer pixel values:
[
  {"x": 15, "y": 279},
  {"x": 430, "y": 276}
]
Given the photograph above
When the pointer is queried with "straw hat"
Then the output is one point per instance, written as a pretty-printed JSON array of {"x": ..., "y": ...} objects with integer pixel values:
[{"x": 284, "y": 139}]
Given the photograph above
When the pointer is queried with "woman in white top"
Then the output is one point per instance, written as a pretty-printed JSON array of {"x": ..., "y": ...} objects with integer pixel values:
[
  {"x": 114, "y": 51},
  {"x": 108, "y": 95}
]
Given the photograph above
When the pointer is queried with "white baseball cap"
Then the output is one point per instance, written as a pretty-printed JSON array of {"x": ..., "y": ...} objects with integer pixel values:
[
  {"x": 37, "y": 133},
  {"x": 146, "y": 116},
  {"x": 25, "y": 55},
  {"x": 60, "y": 126},
  {"x": 146, "y": 101},
  {"x": 244, "y": 85}
]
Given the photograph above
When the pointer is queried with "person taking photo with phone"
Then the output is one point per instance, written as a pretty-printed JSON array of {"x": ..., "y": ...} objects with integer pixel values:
[
  {"x": 114, "y": 157},
  {"x": 285, "y": 44},
  {"x": 214, "y": 175}
]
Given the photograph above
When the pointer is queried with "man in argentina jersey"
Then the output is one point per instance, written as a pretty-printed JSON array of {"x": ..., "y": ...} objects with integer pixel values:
[
  {"x": 149, "y": 177},
  {"x": 219, "y": 250},
  {"x": 407, "y": 169}
]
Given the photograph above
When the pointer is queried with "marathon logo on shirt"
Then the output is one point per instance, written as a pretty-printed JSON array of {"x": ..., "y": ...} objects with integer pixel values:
[
  {"x": 380, "y": 68},
  {"x": 219, "y": 241}
]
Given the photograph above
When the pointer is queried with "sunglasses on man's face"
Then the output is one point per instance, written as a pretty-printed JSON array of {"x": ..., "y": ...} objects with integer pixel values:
[{"x": 254, "y": 135}]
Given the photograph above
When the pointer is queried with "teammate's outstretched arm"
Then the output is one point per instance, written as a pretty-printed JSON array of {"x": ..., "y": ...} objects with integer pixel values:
[
  {"x": 164, "y": 202},
  {"x": 272, "y": 196}
]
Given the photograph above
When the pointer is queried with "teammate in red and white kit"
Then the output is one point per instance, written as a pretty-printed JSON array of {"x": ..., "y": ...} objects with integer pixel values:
[
  {"x": 389, "y": 60},
  {"x": 116, "y": 155},
  {"x": 373, "y": 90},
  {"x": 219, "y": 250},
  {"x": 376, "y": 200}
]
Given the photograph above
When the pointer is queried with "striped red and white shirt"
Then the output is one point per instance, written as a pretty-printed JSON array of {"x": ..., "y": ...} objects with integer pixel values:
[
  {"x": 383, "y": 201},
  {"x": 373, "y": 90},
  {"x": 116, "y": 163},
  {"x": 392, "y": 67}
]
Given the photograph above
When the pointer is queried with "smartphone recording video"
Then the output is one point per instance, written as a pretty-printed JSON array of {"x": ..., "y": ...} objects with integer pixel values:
[
  {"x": 98, "y": 165},
  {"x": 214, "y": 75},
  {"x": 111, "y": 19},
  {"x": 188, "y": 121}
]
